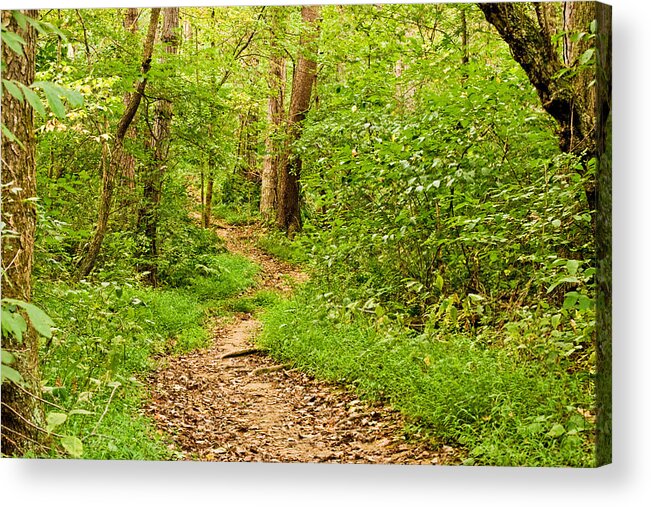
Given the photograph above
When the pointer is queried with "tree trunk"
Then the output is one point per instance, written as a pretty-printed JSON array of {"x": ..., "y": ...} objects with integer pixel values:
[
  {"x": 111, "y": 167},
  {"x": 275, "y": 117},
  {"x": 128, "y": 174},
  {"x": 207, "y": 208},
  {"x": 21, "y": 411},
  {"x": 288, "y": 216},
  {"x": 604, "y": 234},
  {"x": 247, "y": 144},
  {"x": 464, "y": 38},
  {"x": 528, "y": 29},
  {"x": 158, "y": 145}
]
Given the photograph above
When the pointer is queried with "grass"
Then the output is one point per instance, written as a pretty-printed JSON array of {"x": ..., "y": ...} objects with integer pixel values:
[
  {"x": 236, "y": 215},
  {"x": 502, "y": 410},
  {"x": 277, "y": 244},
  {"x": 107, "y": 338},
  {"x": 250, "y": 304}
]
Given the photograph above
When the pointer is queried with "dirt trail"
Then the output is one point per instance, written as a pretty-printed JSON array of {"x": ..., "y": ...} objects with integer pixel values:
[{"x": 249, "y": 408}]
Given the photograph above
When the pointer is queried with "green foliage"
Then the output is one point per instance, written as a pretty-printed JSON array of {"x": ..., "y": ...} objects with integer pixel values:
[
  {"x": 108, "y": 335},
  {"x": 13, "y": 326},
  {"x": 250, "y": 304},
  {"x": 504, "y": 410},
  {"x": 280, "y": 246}
]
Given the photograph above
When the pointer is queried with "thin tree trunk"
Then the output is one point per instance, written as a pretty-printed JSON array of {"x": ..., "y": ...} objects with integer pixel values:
[
  {"x": 207, "y": 209},
  {"x": 129, "y": 168},
  {"x": 288, "y": 216},
  {"x": 247, "y": 144},
  {"x": 159, "y": 146},
  {"x": 20, "y": 410},
  {"x": 117, "y": 154}
]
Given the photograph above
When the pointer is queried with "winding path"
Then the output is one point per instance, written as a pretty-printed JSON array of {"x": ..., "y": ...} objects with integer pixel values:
[{"x": 249, "y": 408}]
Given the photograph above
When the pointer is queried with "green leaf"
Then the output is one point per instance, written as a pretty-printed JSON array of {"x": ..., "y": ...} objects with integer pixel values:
[
  {"x": 52, "y": 95},
  {"x": 586, "y": 56},
  {"x": 7, "y": 357},
  {"x": 75, "y": 98},
  {"x": 44, "y": 27},
  {"x": 33, "y": 100},
  {"x": 37, "y": 26},
  {"x": 8, "y": 373},
  {"x": 556, "y": 223},
  {"x": 556, "y": 319},
  {"x": 73, "y": 446},
  {"x": 566, "y": 279},
  {"x": 556, "y": 431},
  {"x": 570, "y": 300},
  {"x": 453, "y": 313},
  {"x": 10, "y": 135},
  {"x": 572, "y": 266},
  {"x": 55, "y": 419},
  {"x": 20, "y": 18},
  {"x": 13, "y": 90},
  {"x": 14, "y": 41},
  {"x": 14, "y": 324},
  {"x": 39, "y": 319},
  {"x": 439, "y": 282}
]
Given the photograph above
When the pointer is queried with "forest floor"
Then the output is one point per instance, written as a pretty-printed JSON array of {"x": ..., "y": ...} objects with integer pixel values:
[{"x": 250, "y": 408}]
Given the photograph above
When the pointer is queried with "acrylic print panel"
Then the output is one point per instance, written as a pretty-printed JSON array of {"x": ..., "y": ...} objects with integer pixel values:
[{"x": 336, "y": 234}]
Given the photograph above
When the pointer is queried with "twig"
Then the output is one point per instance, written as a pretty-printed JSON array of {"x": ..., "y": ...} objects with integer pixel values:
[
  {"x": 108, "y": 403},
  {"x": 40, "y": 399},
  {"x": 244, "y": 352}
]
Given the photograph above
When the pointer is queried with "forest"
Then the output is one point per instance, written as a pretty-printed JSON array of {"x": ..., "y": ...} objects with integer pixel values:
[{"x": 320, "y": 233}]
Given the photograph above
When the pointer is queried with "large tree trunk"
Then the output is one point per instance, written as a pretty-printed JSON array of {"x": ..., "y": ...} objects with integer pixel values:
[
  {"x": 21, "y": 411},
  {"x": 158, "y": 146},
  {"x": 528, "y": 29},
  {"x": 275, "y": 117},
  {"x": 111, "y": 167},
  {"x": 288, "y": 216},
  {"x": 604, "y": 234}
]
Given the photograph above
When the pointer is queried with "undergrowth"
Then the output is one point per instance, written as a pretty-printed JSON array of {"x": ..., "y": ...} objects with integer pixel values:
[
  {"x": 503, "y": 410},
  {"x": 106, "y": 340}
]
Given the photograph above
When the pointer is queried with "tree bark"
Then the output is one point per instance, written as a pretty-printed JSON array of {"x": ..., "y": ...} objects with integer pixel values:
[
  {"x": 111, "y": 167},
  {"x": 20, "y": 409},
  {"x": 158, "y": 145},
  {"x": 288, "y": 217},
  {"x": 604, "y": 234},
  {"x": 275, "y": 118},
  {"x": 528, "y": 30},
  {"x": 247, "y": 144},
  {"x": 128, "y": 174}
]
